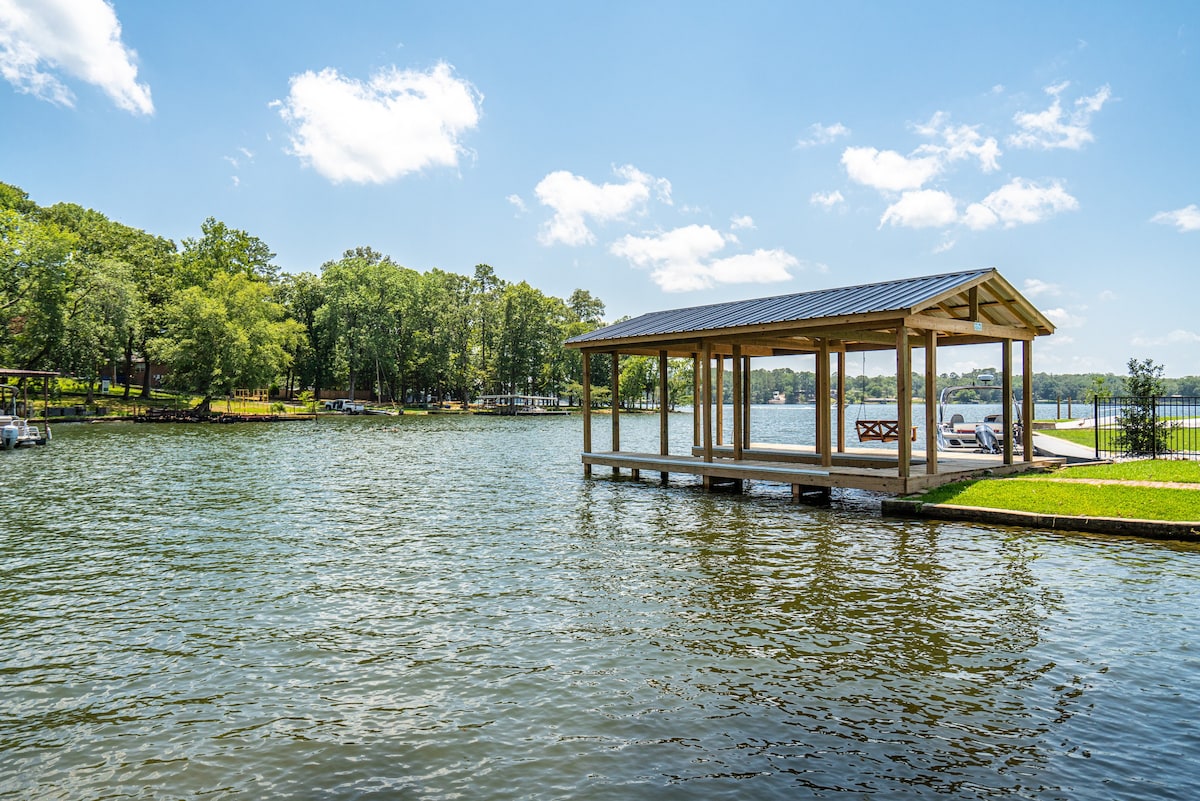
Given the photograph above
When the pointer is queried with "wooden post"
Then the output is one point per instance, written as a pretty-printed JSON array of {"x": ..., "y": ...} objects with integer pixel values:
[
  {"x": 696, "y": 399},
  {"x": 904, "y": 401},
  {"x": 587, "y": 408},
  {"x": 824, "y": 416},
  {"x": 708, "y": 415},
  {"x": 1007, "y": 417},
  {"x": 746, "y": 402},
  {"x": 1027, "y": 400},
  {"x": 736, "y": 363},
  {"x": 841, "y": 401},
  {"x": 616, "y": 406},
  {"x": 663, "y": 419},
  {"x": 931, "y": 452},
  {"x": 720, "y": 400}
]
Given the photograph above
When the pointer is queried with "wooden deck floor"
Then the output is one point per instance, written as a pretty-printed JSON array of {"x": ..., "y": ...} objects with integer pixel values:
[{"x": 858, "y": 468}]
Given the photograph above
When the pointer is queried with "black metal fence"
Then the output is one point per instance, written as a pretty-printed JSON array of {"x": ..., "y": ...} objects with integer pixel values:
[{"x": 1164, "y": 427}]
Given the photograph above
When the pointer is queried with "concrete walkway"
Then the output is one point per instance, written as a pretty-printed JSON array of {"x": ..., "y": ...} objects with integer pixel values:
[{"x": 1046, "y": 445}]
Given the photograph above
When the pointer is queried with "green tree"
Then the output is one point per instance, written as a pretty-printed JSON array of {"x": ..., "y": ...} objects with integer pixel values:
[
  {"x": 1142, "y": 432},
  {"x": 36, "y": 271},
  {"x": 302, "y": 296},
  {"x": 101, "y": 311},
  {"x": 221, "y": 249},
  {"x": 226, "y": 335}
]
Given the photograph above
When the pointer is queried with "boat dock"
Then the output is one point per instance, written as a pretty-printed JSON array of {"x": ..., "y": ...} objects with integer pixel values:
[{"x": 966, "y": 308}]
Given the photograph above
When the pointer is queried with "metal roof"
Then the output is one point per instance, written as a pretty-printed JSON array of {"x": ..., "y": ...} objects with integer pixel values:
[{"x": 905, "y": 296}]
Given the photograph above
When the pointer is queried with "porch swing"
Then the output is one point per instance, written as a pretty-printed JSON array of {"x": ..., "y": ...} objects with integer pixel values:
[{"x": 875, "y": 430}]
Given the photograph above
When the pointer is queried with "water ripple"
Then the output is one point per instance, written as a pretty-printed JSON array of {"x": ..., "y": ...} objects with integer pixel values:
[{"x": 440, "y": 608}]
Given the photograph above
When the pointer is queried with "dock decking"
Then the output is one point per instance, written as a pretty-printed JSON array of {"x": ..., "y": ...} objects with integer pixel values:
[{"x": 863, "y": 468}]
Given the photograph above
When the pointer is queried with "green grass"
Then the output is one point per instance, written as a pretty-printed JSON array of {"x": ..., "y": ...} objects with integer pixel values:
[
  {"x": 1082, "y": 500},
  {"x": 1080, "y": 436},
  {"x": 1179, "y": 470},
  {"x": 1041, "y": 494},
  {"x": 1177, "y": 439}
]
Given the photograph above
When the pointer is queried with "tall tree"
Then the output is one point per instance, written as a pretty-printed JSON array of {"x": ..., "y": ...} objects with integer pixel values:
[
  {"x": 36, "y": 271},
  {"x": 226, "y": 335}
]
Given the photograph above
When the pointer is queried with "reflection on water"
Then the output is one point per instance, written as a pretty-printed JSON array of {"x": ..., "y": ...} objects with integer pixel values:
[{"x": 443, "y": 607}]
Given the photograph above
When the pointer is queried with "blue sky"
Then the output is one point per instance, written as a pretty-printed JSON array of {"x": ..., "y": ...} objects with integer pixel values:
[{"x": 657, "y": 154}]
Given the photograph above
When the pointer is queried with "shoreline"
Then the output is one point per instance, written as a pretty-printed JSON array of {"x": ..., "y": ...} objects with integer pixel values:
[{"x": 1185, "y": 531}]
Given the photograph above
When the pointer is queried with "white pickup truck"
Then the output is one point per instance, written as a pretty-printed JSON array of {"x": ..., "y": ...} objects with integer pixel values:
[{"x": 345, "y": 405}]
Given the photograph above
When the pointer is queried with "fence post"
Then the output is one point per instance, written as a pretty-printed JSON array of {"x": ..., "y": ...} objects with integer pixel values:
[{"x": 1096, "y": 422}]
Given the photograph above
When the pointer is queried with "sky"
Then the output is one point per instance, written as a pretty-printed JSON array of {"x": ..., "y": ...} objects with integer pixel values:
[{"x": 657, "y": 154}]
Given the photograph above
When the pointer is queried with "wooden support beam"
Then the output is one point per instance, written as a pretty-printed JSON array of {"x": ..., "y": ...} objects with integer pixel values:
[
  {"x": 587, "y": 409},
  {"x": 904, "y": 401},
  {"x": 720, "y": 400},
  {"x": 841, "y": 402},
  {"x": 924, "y": 322},
  {"x": 824, "y": 421},
  {"x": 931, "y": 440},
  {"x": 616, "y": 406},
  {"x": 973, "y": 302},
  {"x": 663, "y": 419},
  {"x": 1013, "y": 309},
  {"x": 696, "y": 400},
  {"x": 736, "y": 363},
  {"x": 706, "y": 399},
  {"x": 1006, "y": 391},
  {"x": 745, "y": 403},
  {"x": 1027, "y": 401}
]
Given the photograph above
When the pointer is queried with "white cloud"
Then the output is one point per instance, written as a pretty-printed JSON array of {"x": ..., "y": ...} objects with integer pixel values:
[
  {"x": 576, "y": 200},
  {"x": 1055, "y": 127},
  {"x": 79, "y": 38},
  {"x": 887, "y": 170},
  {"x": 823, "y": 134},
  {"x": 1033, "y": 287},
  {"x": 516, "y": 201},
  {"x": 959, "y": 142},
  {"x": 924, "y": 208},
  {"x": 681, "y": 259},
  {"x": 948, "y": 242},
  {"x": 1019, "y": 202},
  {"x": 1185, "y": 219},
  {"x": 1064, "y": 319},
  {"x": 1107, "y": 295},
  {"x": 398, "y": 122},
  {"x": 739, "y": 223},
  {"x": 759, "y": 267},
  {"x": 1176, "y": 337},
  {"x": 827, "y": 199}
]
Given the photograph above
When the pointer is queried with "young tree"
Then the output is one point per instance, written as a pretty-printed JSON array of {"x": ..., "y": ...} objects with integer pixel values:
[{"x": 1142, "y": 432}]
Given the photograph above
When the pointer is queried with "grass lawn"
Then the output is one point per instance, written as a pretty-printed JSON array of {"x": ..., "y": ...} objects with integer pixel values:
[
  {"x": 1178, "y": 470},
  {"x": 1043, "y": 495},
  {"x": 1080, "y": 436},
  {"x": 1181, "y": 439}
]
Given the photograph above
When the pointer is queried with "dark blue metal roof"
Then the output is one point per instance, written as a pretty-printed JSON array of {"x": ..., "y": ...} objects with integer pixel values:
[{"x": 889, "y": 296}]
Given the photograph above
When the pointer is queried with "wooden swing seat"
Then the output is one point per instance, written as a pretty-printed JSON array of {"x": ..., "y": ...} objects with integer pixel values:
[{"x": 880, "y": 430}]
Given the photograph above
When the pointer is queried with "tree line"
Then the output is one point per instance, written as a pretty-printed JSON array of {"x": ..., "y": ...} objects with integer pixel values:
[{"x": 80, "y": 294}]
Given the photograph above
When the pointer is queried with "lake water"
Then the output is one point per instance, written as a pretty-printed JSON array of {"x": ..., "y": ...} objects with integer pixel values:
[{"x": 443, "y": 607}]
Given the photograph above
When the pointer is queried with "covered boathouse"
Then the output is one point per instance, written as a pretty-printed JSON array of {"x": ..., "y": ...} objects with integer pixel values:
[{"x": 963, "y": 308}]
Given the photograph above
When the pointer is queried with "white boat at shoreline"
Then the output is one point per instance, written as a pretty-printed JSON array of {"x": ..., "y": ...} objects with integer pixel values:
[{"x": 15, "y": 432}]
